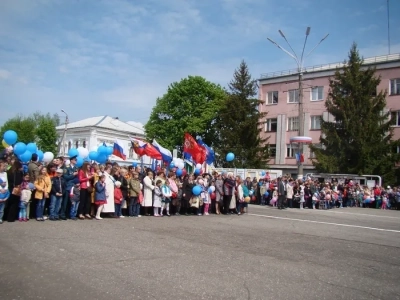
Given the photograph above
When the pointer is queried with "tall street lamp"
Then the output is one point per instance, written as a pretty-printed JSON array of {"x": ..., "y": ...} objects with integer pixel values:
[
  {"x": 300, "y": 64},
  {"x": 61, "y": 148}
]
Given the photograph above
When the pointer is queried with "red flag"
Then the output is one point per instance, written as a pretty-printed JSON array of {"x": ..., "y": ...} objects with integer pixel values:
[{"x": 197, "y": 152}]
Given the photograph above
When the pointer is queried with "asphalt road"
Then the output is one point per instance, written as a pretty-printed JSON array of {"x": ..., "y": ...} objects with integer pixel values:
[{"x": 267, "y": 254}]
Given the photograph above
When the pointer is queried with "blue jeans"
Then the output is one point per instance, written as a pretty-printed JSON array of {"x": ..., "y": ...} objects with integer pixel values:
[
  {"x": 74, "y": 209},
  {"x": 239, "y": 205},
  {"x": 40, "y": 208},
  {"x": 55, "y": 204},
  {"x": 118, "y": 211},
  {"x": 134, "y": 207},
  {"x": 22, "y": 210},
  {"x": 2, "y": 205}
]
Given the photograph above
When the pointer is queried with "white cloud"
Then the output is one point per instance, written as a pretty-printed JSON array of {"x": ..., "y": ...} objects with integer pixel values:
[{"x": 4, "y": 74}]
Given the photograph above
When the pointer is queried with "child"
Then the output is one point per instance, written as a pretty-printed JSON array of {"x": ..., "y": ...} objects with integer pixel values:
[
  {"x": 74, "y": 196},
  {"x": 57, "y": 189},
  {"x": 100, "y": 197},
  {"x": 274, "y": 197},
  {"x": 4, "y": 195},
  {"x": 166, "y": 198},
  {"x": 157, "y": 198},
  {"x": 205, "y": 196},
  {"x": 384, "y": 201},
  {"x": 118, "y": 200},
  {"x": 26, "y": 194}
]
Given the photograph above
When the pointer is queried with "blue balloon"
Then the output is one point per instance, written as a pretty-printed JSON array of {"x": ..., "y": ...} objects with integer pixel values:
[
  {"x": 31, "y": 147},
  {"x": 79, "y": 161},
  {"x": 19, "y": 148},
  {"x": 26, "y": 156},
  {"x": 31, "y": 186},
  {"x": 102, "y": 150},
  {"x": 10, "y": 137},
  {"x": 197, "y": 190},
  {"x": 134, "y": 164},
  {"x": 230, "y": 156},
  {"x": 263, "y": 173},
  {"x": 197, "y": 171},
  {"x": 101, "y": 158},
  {"x": 93, "y": 155},
  {"x": 73, "y": 152},
  {"x": 266, "y": 194},
  {"x": 179, "y": 172},
  {"x": 171, "y": 165},
  {"x": 25, "y": 168},
  {"x": 110, "y": 150},
  {"x": 40, "y": 154}
]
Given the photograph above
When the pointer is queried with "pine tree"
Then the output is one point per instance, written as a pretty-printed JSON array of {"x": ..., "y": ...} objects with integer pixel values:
[
  {"x": 359, "y": 140},
  {"x": 238, "y": 124}
]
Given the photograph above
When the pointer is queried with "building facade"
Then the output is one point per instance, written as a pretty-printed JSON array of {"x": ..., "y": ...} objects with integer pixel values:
[
  {"x": 279, "y": 97},
  {"x": 93, "y": 132}
]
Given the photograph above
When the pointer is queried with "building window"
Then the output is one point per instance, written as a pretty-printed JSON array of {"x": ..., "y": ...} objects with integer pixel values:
[
  {"x": 76, "y": 144},
  {"x": 315, "y": 122},
  {"x": 312, "y": 154},
  {"x": 84, "y": 144},
  {"x": 293, "y": 96},
  {"x": 293, "y": 124},
  {"x": 272, "y": 97},
  {"x": 395, "y": 86},
  {"x": 271, "y": 125},
  {"x": 272, "y": 150},
  {"x": 290, "y": 151},
  {"x": 69, "y": 145},
  {"x": 395, "y": 115},
  {"x": 317, "y": 93}
]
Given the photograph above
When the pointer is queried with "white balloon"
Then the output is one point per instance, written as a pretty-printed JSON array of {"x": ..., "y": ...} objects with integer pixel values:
[
  {"x": 83, "y": 152},
  {"x": 198, "y": 166},
  {"x": 181, "y": 165},
  {"x": 48, "y": 157},
  {"x": 212, "y": 189},
  {"x": 67, "y": 162}
]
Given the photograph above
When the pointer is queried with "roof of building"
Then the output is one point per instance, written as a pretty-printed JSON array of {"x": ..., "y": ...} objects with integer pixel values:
[
  {"x": 332, "y": 66},
  {"x": 106, "y": 122}
]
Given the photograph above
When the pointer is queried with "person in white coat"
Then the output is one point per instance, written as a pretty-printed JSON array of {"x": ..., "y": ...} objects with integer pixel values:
[
  {"x": 109, "y": 206},
  {"x": 148, "y": 188}
]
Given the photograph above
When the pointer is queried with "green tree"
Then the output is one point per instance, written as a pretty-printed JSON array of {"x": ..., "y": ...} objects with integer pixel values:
[
  {"x": 38, "y": 128},
  {"x": 46, "y": 135},
  {"x": 23, "y": 126},
  {"x": 238, "y": 124},
  {"x": 190, "y": 105},
  {"x": 359, "y": 140}
]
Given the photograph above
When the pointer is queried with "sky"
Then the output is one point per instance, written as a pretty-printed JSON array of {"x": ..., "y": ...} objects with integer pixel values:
[{"x": 115, "y": 57}]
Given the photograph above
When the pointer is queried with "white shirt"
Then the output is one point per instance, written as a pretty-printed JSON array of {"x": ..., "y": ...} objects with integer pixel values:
[{"x": 3, "y": 177}]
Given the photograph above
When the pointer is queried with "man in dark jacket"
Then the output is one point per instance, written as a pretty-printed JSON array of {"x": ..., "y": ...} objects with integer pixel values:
[{"x": 282, "y": 193}]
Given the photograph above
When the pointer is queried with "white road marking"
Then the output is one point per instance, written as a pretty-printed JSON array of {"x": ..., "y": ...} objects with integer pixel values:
[
  {"x": 330, "y": 211},
  {"x": 358, "y": 214},
  {"x": 326, "y": 223}
]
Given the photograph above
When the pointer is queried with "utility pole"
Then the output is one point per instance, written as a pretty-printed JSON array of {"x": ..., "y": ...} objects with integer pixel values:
[{"x": 300, "y": 64}]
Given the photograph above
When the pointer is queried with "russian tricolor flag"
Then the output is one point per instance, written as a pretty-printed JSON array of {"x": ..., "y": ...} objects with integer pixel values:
[
  {"x": 165, "y": 153},
  {"x": 118, "y": 151}
]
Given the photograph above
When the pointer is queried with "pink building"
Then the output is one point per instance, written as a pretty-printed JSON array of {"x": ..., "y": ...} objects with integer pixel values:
[{"x": 279, "y": 97}]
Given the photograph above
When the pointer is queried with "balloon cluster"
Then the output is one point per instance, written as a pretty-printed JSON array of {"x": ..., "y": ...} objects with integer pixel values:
[
  {"x": 101, "y": 155},
  {"x": 24, "y": 151}
]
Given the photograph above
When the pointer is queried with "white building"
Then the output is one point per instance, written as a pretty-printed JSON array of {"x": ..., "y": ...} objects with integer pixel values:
[{"x": 93, "y": 132}]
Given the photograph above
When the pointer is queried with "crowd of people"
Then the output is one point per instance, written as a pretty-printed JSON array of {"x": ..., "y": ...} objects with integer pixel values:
[
  {"x": 60, "y": 191},
  {"x": 310, "y": 193}
]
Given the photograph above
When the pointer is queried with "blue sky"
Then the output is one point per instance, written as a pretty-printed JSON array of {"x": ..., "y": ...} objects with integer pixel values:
[{"x": 115, "y": 57}]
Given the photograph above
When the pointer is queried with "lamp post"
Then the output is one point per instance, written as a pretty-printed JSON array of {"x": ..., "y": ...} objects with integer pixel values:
[
  {"x": 300, "y": 64},
  {"x": 62, "y": 147}
]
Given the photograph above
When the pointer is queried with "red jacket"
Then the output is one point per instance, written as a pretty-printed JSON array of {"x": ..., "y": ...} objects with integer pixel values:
[
  {"x": 83, "y": 179},
  {"x": 117, "y": 196}
]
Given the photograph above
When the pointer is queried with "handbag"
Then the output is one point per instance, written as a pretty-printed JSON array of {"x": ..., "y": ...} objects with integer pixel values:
[
  {"x": 174, "y": 195},
  {"x": 17, "y": 189},
  {"x": 90, "y": 189},
  {"x": 140, "y": 197}
]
